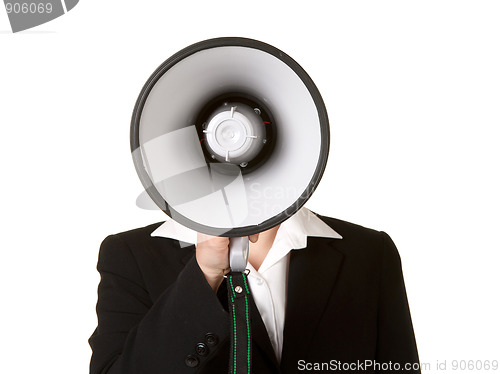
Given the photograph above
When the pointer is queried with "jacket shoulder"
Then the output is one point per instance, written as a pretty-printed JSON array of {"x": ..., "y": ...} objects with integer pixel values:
[
  {"x": 140, "y": 232},
  {"x": 138, "y": 242},
  {"x": 360, "y": 240}
]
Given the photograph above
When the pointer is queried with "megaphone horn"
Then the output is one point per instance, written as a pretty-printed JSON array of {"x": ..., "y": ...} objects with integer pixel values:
[{"x": 220, "y": 124}]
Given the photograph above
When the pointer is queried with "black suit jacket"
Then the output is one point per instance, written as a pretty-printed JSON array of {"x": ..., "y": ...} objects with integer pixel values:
[{"x": 346, "y": 303}]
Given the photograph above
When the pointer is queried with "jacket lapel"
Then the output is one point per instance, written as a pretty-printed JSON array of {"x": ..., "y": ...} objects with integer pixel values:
[{"x": 311, "y": 276}]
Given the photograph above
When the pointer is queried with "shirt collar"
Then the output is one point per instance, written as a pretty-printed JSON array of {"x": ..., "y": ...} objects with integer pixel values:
[
  {"x": 292, "y": 235},
  {"x": 301, "y": 225},
  {"x": 294, "y": 230},
  {"x": 173, "y": 230}
]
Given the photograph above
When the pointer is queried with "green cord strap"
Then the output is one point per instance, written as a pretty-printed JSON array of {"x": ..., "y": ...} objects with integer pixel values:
[{"x": 240, "y": 357}]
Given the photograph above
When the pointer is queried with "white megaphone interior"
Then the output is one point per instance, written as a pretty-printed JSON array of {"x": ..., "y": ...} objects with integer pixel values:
[{"x": 171, "y": 148}]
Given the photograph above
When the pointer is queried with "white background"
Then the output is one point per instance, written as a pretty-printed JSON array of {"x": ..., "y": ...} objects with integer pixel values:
[{"x": 413, "y": 94}]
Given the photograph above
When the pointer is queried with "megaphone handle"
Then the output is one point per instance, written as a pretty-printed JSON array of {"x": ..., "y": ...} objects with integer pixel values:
[
  {"x": 240, "y": 360},
  {"x": 238, "y": 253}
]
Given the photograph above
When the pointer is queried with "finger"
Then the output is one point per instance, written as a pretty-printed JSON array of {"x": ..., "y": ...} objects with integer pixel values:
[
  {"x": 209, "y": 238},
  {"x": 253, "y": 238}
]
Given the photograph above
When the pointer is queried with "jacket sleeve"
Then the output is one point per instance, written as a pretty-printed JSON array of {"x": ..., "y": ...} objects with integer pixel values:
[
  {"x": 396, "y": 346},
  {"x": 135, "y": 335}
]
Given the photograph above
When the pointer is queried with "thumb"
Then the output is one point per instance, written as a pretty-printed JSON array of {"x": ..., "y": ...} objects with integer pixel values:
[{"x": 253, "y": 238}]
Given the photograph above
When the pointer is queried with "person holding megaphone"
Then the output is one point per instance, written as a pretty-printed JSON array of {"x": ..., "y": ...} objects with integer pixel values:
[{"x": 230, "y": 138}]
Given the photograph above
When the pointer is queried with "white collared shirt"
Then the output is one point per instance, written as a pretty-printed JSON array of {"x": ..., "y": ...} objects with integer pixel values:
[{"x": 269, "y": 284}]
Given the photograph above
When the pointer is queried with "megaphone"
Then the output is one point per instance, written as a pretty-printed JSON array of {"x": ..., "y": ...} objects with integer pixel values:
[{"x": 230, "y": 137}]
